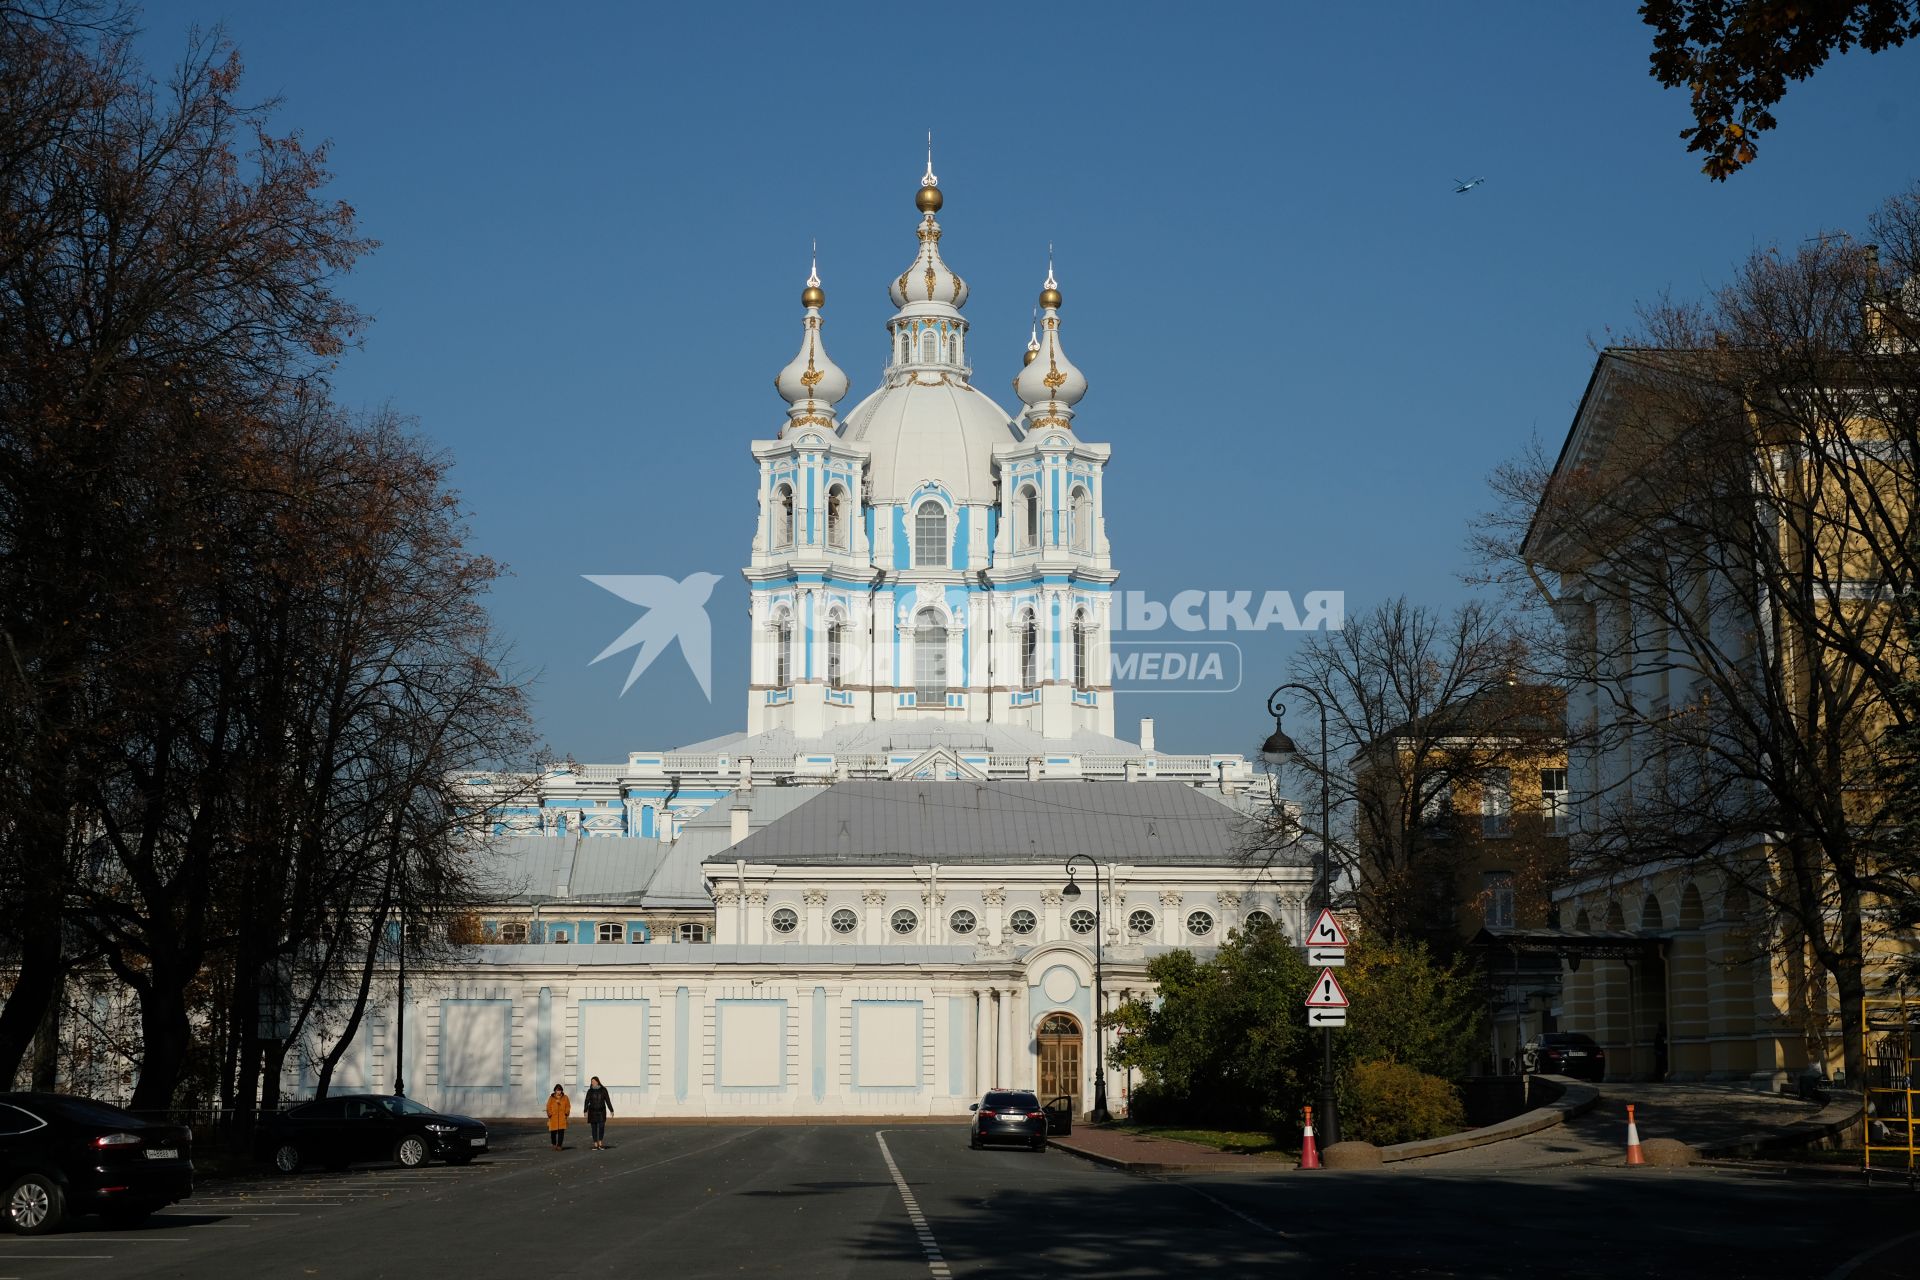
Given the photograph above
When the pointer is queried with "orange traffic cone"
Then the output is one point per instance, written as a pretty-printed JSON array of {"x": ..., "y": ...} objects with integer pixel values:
[
  {"x": 1309, "y": 1153},
  {"x": 1633, "y": 1139}
]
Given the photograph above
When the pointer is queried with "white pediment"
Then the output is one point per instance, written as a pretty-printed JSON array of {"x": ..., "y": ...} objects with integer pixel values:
[{"x": 939, "y": 764}]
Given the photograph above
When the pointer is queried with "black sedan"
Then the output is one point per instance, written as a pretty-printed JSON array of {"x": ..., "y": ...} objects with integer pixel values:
[
  {"x": 1567, "y": 1053},
  {"x": 345, "y": 1128},
  {"x": 1008, "y": 1116},
  {"x": 62, "y": 1155}
]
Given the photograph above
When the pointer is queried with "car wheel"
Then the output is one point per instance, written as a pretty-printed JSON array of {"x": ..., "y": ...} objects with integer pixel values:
[
  {"x": 286, "y": 1158},
  {"x": 35, "y": 1205},
  {"x": 411, "y": 1153},
  {"x": 973, "y": 1143}
]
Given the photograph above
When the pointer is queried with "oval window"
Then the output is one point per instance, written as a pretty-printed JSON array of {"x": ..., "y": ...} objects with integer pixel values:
[{"x": 786, "y": 920}]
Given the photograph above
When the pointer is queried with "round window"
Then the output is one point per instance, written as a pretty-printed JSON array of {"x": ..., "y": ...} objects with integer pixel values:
[
  {"x": 786, "y": 920},
  {"x": 962, "y": 921},
  {"x": 1081, "y": 921},
  {"x": 1140, "y": 923},
  {"x": 844, "y": 921},
  {"x": 1259, "y": 920},
  {"x": 1022, "y": 922},
  {"x": 904, "y": 921},
  {"x": 1199, "y": 924}
]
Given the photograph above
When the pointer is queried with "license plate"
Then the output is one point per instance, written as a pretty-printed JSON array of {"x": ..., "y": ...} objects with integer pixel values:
[
  {"x": 163, "y": 1153},
  {"x": 1576, "y": 1053},
  {"x": 477, "y": 1142}
]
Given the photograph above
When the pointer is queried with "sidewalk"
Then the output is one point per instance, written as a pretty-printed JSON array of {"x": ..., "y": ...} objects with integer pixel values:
[{"x": 1121, "y": 1149}]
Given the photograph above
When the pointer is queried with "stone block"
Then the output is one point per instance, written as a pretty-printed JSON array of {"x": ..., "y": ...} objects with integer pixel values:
[
  {"x": 1666, "y": 1153},
  {"x": 1351, "y": 1155}
]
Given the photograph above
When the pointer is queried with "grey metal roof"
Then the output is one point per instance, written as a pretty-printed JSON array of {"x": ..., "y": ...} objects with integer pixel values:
[
  {"x": 880, "y": 822},
  {"x": 878, "y": 737},
  {"x": 709, "y": 836}
]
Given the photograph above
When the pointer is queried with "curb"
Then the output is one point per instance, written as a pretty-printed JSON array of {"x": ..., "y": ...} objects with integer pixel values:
[
  {"x": 1156, "y": 1166},
  {"x": 1576, "y": 1099},
  {"x": 1836, "y": 1117}
]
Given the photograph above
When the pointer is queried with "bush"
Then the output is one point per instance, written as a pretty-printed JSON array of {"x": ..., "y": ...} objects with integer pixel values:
[{"x": 1389, "y": 1102}]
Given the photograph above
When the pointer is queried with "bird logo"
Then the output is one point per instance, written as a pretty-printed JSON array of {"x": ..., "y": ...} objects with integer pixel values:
[
  {"x": 674, "y": 611},
  {"x": 1461, "y": 187}
]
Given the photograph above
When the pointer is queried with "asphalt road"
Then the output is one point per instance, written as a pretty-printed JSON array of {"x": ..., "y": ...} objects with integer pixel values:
[{"x": 859, "y": 1201}]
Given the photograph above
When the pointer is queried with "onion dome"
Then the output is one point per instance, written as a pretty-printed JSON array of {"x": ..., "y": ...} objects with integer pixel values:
[
  {"x": 929, "y": 279},
  {"x": 1050, "y": 384},
  {"x": 812, "y": 383}
]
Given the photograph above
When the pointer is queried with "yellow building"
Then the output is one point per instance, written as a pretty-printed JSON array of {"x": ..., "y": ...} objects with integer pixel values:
[{"x": 1714, "y": 539}]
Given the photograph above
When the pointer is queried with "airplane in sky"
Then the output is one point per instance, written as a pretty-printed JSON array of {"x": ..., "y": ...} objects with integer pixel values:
[{"x": 1461, "y": 188}]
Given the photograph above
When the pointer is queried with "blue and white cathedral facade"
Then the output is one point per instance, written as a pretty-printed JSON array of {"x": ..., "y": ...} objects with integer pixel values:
[{"x": 931, "y": 560}]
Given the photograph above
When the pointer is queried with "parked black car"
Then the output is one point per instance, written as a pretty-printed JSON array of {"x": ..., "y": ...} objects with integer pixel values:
[
  {"x": 1567, "y": 1053},
  {"x": 61, "y": 1155},
  {"x": 339, "y": 1130},
  {"x": 1010, "y": 1116}
]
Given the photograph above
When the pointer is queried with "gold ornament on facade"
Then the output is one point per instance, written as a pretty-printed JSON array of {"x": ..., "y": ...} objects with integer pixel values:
[
  {"x": 813, "y": 296},
  {"x": 1027, "y": 358},
  {"x": 1054, "y": 378},
  {"x": 928, "y": 199},
  {"x": 1049, "y": 297},
  {"x": 930, "y": 282}
]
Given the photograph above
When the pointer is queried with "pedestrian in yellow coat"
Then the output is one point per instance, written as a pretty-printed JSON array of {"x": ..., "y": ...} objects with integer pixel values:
[{"x": 559, "y": 1107}]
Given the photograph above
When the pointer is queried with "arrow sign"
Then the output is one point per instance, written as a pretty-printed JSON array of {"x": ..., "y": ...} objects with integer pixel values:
[
  {"x": 1326, "y": 1017},
  {"x": 1326, "y": 931},
  {"x": 1326, "y": 957},
  {"x": 1326, "y": 992}
]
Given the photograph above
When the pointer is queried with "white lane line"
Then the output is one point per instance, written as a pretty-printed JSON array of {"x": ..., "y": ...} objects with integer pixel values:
[
  {"x": 1224, "y": 1206},
  {"x": 66, "y": 1257},
  {"x": 1858, "y": 1260},
  {"x": 936, "y": 1263},
  {"x": 225, "y": 1213}
]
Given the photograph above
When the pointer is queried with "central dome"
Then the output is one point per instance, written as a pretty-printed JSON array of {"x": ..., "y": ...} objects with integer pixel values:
[{"x": 929, "y": 427}]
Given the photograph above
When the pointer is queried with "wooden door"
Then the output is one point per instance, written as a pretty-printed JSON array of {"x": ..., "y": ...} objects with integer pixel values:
[{"x": 1060, "y": 1044}]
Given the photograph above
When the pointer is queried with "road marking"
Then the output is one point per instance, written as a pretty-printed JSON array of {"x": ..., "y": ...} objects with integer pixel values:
[
  {"x": 1858, "y": 1260},
  {"x": 936, "y": 1263},
  {"x": 68, "y": 1257},
  {"x": 1222, "y": 1204}
]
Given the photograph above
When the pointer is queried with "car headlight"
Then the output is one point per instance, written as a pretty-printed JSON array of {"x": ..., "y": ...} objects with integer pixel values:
[{"x": 443, "y": 1128}]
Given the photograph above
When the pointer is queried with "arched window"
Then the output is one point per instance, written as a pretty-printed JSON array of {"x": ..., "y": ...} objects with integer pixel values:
[
  {"x": 1028, "y": 517},
  {"x": 1029, "y": 652},
  {"x": 782, "y": 516},
  {"x": 906, "y": 345},
  {"x": 929, "y": 347},
  {"x": 837, "y": 517},
  {"x": 836, "y": 631},
  {"x": 1081, "y": 665},
  {"x": 930, "y": 659},
  {"x": 782, "y": 653},
  {"x": 930, "y": 535},
  {"x": 1080, "y": 511}
]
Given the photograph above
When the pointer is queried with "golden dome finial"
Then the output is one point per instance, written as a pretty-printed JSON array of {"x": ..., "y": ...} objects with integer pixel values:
[
  {"x": 928, "y": 199},
  {"x": 1050, "y": 291},
  {"x": 813, "y": 295}
]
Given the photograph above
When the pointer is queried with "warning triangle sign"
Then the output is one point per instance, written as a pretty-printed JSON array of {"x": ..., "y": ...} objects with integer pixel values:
[
  {"x": 1326, "y": 931},
  {"x": 1326, "y": 993}
]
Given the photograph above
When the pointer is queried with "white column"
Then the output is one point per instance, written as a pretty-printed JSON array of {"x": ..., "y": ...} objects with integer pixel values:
[
  {"x": 983, "y": 1040},
  {"x": 1024, "y": 1073},
  {"x": 815, "y": 931},
  {"x": 1003, "y": 1073},
  {"x": 756, "y": 929}
]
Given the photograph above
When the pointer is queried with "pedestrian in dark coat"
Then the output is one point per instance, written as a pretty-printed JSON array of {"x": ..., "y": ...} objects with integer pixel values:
[{"x": 599, "y": 1105}]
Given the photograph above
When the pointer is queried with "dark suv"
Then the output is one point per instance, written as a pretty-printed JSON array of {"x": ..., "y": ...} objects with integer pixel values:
[
  {"x": 1008, "y": 1116},
  {"x": 1567, "y": 1053}
]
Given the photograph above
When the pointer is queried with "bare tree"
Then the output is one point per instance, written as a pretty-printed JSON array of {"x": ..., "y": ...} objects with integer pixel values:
[{"x": 1422, "y": 706}]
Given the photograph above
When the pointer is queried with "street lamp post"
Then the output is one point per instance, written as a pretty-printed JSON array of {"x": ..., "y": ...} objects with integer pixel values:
[
  {"x": 1100, "y": 1113},
  {"x": 400, "y": 1039},
  {"x": 1276, "y": 749}
]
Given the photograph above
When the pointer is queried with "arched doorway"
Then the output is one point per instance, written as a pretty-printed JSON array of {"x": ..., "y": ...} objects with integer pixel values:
[{"x": 1059, "y": 1044}]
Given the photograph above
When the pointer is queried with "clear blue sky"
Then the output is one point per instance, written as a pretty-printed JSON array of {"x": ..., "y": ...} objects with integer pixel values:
[{"x": 1305, "y": 350}]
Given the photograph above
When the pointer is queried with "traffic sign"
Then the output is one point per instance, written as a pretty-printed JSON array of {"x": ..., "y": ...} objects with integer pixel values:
[
  {"x": 1326, "y": 1017},
  {"x": 1326, "y": 993},
  {"x": 1326, "y": 931},
  {"x": 1326, "y": 957}
]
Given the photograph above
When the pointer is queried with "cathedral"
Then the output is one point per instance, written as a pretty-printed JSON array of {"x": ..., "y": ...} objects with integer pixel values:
[{"x": 927, "y": 863}]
